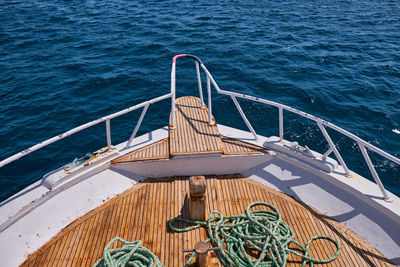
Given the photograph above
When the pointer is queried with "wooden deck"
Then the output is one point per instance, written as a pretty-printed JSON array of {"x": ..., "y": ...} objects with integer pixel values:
[
  {"x": 192, "y": 136},
  {"x": 155, "y": 151},
  {"x": 236, "y": 147},
  {"x": 192, "y": 133},
  {"x": 142, "y": 212},
  {"x": 160, "y": 150}
]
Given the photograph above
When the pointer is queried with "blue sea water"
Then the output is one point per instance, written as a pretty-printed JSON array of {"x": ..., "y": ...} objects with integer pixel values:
[{"x": 64, "y": 63}]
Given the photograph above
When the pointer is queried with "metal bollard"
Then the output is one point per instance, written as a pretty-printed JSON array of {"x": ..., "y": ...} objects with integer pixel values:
[{"x": 201, "y": 249}]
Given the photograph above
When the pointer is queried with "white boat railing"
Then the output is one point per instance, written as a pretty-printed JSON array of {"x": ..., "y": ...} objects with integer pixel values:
[
  {"x": 320, "y": 122},
  {"x": 210, "y": 80},
  {"x": 107, "y": 119}
]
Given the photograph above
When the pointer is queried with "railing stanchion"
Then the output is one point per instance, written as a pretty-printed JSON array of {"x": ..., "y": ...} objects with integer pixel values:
[
  {"x": 108, "y": 133},
  {"x": 173, "y": 84},
  {"x": 137, "y": 126},
  {"x": 326, "y": 154},
  {"x": 280, "y": 124},
  {"x": 244, "y": 117},
  {"x": 333, "y": 147},
  {"x": 374, "y": 173},
  {"x": 199, "y": 84},
  {"x": 209, "y": 101}
]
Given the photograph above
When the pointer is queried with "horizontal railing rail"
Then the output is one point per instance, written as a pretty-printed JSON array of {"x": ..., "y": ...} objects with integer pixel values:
[
  {"x": 281, "y": 107},
  {"x": 107, "y": 119}
]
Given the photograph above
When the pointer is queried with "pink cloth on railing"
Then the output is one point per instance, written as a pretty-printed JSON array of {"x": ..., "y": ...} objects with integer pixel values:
[{"x": 177, "y": 56}]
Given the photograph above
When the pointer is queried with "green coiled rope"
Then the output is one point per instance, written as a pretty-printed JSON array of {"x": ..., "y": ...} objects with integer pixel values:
[
  {"x": 131, "y": 254},
  {"x": 260, "y": 230}
]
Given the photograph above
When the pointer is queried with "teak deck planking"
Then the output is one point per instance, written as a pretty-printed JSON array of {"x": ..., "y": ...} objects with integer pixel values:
[
  {"x": 142, "y": 213},
  {"x": 233, "y": 147},
  {"x": 160, "y": 150},
  {"x": 155, "y": 151},
  {"x": 192, "y": 133}
]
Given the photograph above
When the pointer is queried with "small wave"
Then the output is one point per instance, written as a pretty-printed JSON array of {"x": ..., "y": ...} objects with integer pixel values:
[{"x": 396, "y": 131}]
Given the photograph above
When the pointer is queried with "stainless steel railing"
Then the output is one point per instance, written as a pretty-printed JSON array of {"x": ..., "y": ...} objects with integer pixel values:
[
  {"x": 210, "y": 80},
  {"x": 320, "y": 122},
  {"x": 107, "y": 119}
]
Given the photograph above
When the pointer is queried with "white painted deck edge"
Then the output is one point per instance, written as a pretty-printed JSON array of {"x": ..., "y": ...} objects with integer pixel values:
[{"x": 46, "y": 212}]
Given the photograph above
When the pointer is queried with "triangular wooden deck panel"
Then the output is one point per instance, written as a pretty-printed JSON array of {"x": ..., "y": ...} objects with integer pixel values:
[
  {"x": 142, "y": 213},
  {"x": 157, "y": 150},
  {"x": 236, "y": 147}
]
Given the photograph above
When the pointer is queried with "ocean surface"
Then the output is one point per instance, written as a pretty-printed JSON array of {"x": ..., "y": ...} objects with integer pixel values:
[{"x": 64, "y": 63}]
